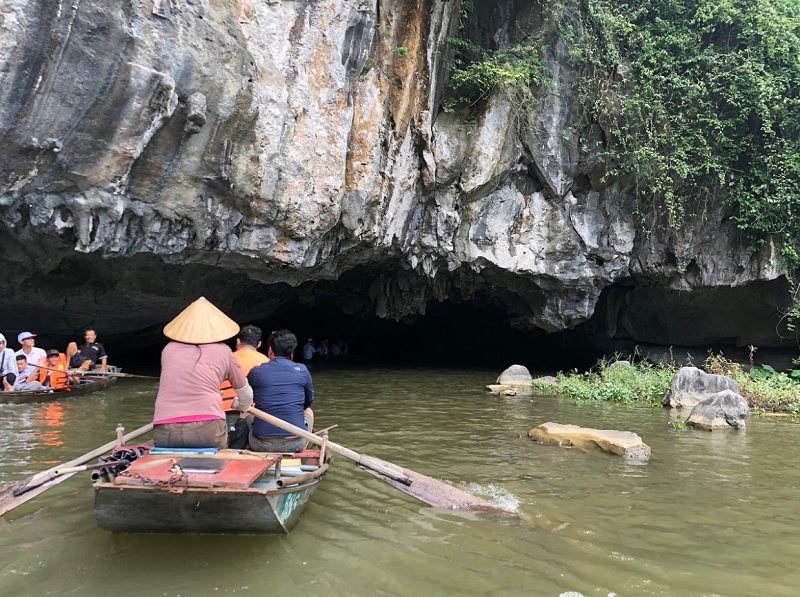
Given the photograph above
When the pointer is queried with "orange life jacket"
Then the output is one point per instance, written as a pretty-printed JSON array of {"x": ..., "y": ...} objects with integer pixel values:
[
  {"x": 57, "y": 380},
  {"x": 248, "y": 358}
]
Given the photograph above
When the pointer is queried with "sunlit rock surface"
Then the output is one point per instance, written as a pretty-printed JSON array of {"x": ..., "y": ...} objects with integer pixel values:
[
  {"x": 287, "y": 143},
  {"x": 619, "y": 443}
]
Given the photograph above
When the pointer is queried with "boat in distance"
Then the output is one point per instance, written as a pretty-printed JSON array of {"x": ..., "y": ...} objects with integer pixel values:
[{"x": 86, "y": 386}]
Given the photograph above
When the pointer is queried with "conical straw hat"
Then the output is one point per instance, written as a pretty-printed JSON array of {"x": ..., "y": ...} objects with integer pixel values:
[{"x": 201, "y": 323}]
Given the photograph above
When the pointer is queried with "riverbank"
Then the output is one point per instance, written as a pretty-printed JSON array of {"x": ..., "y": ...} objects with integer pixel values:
[{"x": 641, "y": 382}]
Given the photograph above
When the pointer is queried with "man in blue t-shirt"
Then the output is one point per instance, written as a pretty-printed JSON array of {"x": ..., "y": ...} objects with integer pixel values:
[{"x": 283, "y": 389}]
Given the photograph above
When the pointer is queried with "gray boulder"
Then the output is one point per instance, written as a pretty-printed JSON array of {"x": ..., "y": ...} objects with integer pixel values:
[
  {"x": 516, "y": 374},
  {"x": 691, "y": 385},
  {"x": 723, "y": 410}
]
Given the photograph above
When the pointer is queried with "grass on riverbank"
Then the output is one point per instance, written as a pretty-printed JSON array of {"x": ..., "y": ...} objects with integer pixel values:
[
  {"x": 767, "y": 391},
  {"x": 638, "y": 383},
  {"x": 644, "y": 383}
]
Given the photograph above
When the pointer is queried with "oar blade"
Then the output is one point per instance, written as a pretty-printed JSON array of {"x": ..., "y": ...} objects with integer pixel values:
[
  {"x": 9, "y": 501},
  {"x": 438, "y": 493}
]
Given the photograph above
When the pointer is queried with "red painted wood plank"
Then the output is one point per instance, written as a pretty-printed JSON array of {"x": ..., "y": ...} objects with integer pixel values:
[{"x": 237, "y": 473}]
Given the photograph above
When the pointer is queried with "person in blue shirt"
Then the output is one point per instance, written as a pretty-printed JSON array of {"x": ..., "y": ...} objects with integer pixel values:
[{"x": 283, "y": 389}]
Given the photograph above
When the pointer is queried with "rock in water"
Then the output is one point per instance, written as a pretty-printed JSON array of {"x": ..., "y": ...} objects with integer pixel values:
[
  {"x": 516, "y": 374},
  {"x": 691, "y": 385},
  {"x": 723, "y": 410},
  {"x": 502, "y": 389},
  {"x": 620, "y": 443}
]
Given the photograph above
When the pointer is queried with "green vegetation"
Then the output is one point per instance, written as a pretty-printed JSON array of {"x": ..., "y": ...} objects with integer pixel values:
[
  {"x": 637, "y": 383},
  {"x": 699, "y": 102},
  {"x": 765, "y": 389},
  {"x": 543, "y": 388},
  {"x": 479, "y": 72},
  {"x": 400, "y": 51},
  {"x": 679, "y": 424}
]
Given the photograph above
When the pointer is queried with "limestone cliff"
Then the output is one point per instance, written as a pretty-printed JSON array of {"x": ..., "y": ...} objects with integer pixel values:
[{"x": 281, "y": 143}]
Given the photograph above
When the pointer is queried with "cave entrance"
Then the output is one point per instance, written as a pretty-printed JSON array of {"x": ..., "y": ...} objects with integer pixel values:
[{"x": 448, "y": 334}]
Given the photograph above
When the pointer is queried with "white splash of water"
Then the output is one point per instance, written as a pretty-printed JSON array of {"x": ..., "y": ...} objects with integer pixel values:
[{"x": 497, "y": 495}]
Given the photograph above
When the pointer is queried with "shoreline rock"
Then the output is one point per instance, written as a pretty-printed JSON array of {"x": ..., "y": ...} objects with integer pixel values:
[
  {"x": 515, "y": 375},
  {"x": 692, "y": 385},
  {"x": 620, "y": 443},
  {"x": 723, "y": 410}
]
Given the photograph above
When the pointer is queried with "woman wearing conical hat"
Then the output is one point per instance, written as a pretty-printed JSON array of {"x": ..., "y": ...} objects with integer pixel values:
[{"x": 188, "y": 410}]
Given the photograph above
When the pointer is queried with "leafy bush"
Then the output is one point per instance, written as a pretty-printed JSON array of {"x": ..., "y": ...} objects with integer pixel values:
[
  {"x": 544, "y": 388},
  {"x": 765, "y": 389},
  {"x": 640, "y": 382}
]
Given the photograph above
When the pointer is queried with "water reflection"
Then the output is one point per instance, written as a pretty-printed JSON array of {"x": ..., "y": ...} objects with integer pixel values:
[{"x": 49, "y": 417}]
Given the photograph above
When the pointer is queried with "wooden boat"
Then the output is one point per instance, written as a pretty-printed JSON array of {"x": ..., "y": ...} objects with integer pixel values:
[
  {"x": 232, "y": 491},
  {"x": 86, "y": 386}
]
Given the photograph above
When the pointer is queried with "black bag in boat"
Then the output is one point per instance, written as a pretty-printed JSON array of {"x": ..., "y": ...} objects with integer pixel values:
[{"x": 238, "y": 438}]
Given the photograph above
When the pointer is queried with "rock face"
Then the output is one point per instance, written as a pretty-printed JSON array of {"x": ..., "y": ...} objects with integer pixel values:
[
  {"x": 515, "y": 375},
  {"x": 620, "y": 443},
  {"x": 277, "y": 144},
  {"x": 691, "y": 385},
  {"x": 723, "y": 410}
]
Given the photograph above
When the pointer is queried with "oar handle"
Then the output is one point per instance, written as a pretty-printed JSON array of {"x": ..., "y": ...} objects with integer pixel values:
[{"x": 376, "y": 464}]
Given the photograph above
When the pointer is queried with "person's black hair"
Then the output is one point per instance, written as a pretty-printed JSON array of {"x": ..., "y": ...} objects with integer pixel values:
[
  {"x": 87, "y": 330},
  {"x": 282, "y": 343},
  {"x": 250, "y": 334},
  {"x": 22, "y": 357}
]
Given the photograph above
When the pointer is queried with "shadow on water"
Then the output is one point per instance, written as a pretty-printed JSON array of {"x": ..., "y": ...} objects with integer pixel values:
[{"x": 710, "y": 514}]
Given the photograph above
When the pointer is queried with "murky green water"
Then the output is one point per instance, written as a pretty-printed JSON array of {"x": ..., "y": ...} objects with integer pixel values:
[{"x": 710, "y": 514}]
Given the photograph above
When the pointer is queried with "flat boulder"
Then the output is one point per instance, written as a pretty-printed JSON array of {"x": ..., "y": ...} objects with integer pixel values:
[
  {"x": 691, "y": 385},
  {"x": 723, "y": 410},
  {"x": 502, "y": 390},
  {"x": 620, "y": 443},
  {"x": 515, "y": 375}
]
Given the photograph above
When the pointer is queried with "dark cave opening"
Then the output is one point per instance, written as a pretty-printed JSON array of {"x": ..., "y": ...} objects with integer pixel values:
[{"x": 448, "y": 335}]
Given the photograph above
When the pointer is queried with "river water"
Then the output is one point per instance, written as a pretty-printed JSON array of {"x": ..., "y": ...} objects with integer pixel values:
[{"x": 710, "y": 514}]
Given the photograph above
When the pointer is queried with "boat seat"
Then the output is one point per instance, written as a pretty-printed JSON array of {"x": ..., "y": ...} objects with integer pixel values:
[{"x": 158, "y": 469}]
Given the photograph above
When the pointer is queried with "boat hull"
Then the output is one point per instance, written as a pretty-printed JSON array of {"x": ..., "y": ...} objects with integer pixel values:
[
  {"x": 86, "y": 387},
  {"x": 202, "y": 511}
]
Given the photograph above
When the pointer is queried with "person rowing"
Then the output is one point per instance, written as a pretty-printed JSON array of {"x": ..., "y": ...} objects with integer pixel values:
[{"x": 188, "y": 410}]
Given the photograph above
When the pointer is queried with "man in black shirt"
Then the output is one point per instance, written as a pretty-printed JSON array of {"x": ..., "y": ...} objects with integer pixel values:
[{"x": 86, "y": 356}]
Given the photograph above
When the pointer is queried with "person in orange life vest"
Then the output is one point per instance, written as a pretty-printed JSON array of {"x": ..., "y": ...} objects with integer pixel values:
[
  {"x": 248, "y": 341},
  {"x": 54, "y": 379}
]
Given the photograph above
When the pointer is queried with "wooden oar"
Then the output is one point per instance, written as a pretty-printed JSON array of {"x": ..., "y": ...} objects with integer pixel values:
[
  {"x": 431, "y": 491},
  {"x": 96, "y": 373},
  {"x": 114, "y": 374},
  {"x": 17, "y": 493}
]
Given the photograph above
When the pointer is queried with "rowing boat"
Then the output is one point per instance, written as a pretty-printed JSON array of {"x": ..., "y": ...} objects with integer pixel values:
[
  {"x": 211, "y": 491},
  {"x": 86, "y": 386}
]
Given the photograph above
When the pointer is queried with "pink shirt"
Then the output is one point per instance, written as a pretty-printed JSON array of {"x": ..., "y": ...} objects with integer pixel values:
[{"x": 190, "y": 378}]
